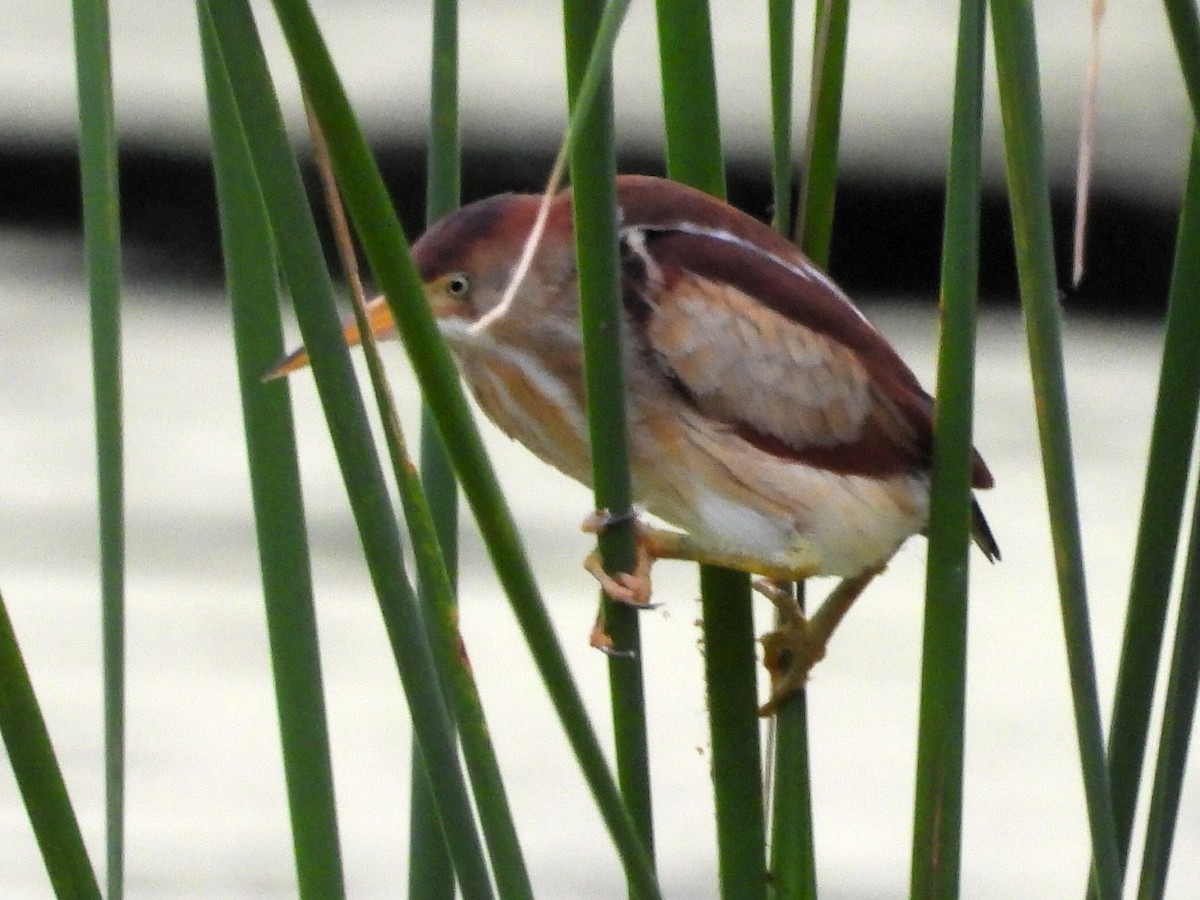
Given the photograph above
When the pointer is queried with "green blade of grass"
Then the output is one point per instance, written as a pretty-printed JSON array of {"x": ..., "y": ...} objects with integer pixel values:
[
  {"x": 430, "y": 873},
  {"x": 814, "y": 227},
  {"x": 386, "y": 248},
  {"x": 438, "y": 604},
  {"x": 1185, "y": 32},
  {"x": 792, "y": 852},
  {"x": 694, "y": 157},
  {"x": 1020, "y": 105},
  {"x": 689, "y": 81},
  {"x": 301, "y": 260},
  {"x": 780, "y": 18},
  {"x": 275, "y": 488},
  {"x": 1171, "y": 440},
  {"x": 736, "y": 756},
  {"x": 937, "y": 829},
  {"x": 1179, "y": 713},
  {"x": 793, "y": 855},
  {"x": 39, "y": 778},
  {"x": 593, "y": 177},
  {"x": 1171, "y": 444},
  {"x": 102, "y": 236}
]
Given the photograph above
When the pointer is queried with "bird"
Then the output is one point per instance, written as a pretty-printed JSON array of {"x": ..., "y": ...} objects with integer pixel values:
[{"x": 771, "y": 425}]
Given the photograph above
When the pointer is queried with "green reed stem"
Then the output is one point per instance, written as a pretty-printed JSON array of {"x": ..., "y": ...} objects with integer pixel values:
[
  {"x": 302, "y": 263},
  {"x": 438, "y": 604},
  {"x": 1171, "y": 440},
  {"x": 430, "y": 873},
  {"x": 689, "y": 83},
  {"x": 780, "y": 19},
  {"x": 593, "y": 175},
  {"x": 694, "y": 157},
  {"x": 1179, "y": 714},
  {"x": 275, "y": 488},
  {"x": 736, "y": 757},
  {"x": 814, "y": 227},
  {"x": 1171, "y": 444},
  {"x": 102, "y": 237},
  {"x": 937, "y": 829},
  {"x": 793, "y": 855},
  {"x": 38, "y": 775},
  {"x": 1020, "y": 105},
  {"x": 379, "y": 230},
  {"x": 1185, "y": 31}
]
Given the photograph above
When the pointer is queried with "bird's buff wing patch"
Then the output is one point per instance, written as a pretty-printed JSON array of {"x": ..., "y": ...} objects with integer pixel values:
[{"x": 735, "y": 342}]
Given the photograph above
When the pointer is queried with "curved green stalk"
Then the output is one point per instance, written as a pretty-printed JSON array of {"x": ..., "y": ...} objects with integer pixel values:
[
  {"x": 275, "y": 488},
  {"x": 780, "y": 18},
  {"x": 793, "y": 855},
  {"x": 937, "y": 829},
  {"x": 694, "y": 157},
  {"x": 1171, "y": 440},
  {"x": 102, "y": 236},
  {"x": 302, "y": 263},
  {"x": 814, "y": 227},
  {"x": 1020, "y": 106},
  {"x": 430, "y": 873},
  {"x": 1179, "y": 713},
  {"x": 1171, "y": 443},
  {"x": 593, "y": 175},
  {"x": 689, "y": 83},
  {"x": 378, "y": 228},
  {"x": 438, "y": 603},
  {"x": 38, "y": 775}
]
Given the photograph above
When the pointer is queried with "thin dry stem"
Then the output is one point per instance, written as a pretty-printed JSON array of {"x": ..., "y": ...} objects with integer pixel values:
[
  {"x": 1087, "y": 141},
  {"x": 531, "y": 242}
]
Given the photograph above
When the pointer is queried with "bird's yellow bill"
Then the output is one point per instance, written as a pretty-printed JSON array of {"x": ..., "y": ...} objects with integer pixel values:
[{"x": 382, "y": 325}]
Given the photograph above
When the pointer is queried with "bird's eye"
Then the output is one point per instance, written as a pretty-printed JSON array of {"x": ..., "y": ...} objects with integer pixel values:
[{"x": 458, "y": 284}]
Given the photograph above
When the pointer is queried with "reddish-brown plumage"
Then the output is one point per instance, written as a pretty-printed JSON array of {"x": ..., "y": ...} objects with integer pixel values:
[
  {"x": 768, "y": 418},
  {"x": 680, "y": 227}
]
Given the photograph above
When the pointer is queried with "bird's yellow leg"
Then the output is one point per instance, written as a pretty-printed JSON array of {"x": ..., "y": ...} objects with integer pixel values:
[{"x": 798, "y": 644}]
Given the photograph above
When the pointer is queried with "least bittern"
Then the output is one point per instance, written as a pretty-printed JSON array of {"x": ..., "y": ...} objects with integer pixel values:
[{"x": 768, "y": 418}]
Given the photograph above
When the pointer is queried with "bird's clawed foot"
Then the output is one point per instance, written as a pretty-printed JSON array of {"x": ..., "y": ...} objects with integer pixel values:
[
  {"x": 798, "y": 644},
  {"x": 631, "y": 588},
  {"x": 791, "y": 650}
]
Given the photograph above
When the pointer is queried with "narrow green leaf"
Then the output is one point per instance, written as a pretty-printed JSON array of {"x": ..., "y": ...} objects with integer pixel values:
[
  {"x": 736, "y": 757},
  {"x": 694, "y": 157},
  {"x": 438, "y": 603},
  {"x": 1185, "y": 31},
  {"x": 102, "y": 236},
  {"x": 793, "y": 855},
  {"x": 1179, "y": 714},
  {"x": 275, "y": 487},
  {"x": 1171, "y": 440},
  {"x": 1028, "y": 188},
  {"x": 814, "y": 227},
  {"x": 780, "y": 18},
  {"x": 430, "y": 873},
  {"x": 378, "y": 228},
  {"x": 38, "y": 776},
  {"x": 301, "y": 260},
  {"x": 937, "y": 829},
  {"x": 593, "y": 176},
  {"x": 689, "y": 80}
]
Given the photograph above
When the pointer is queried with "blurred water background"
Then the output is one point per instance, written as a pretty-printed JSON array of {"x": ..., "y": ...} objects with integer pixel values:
[{"x": 206, "y": 806}]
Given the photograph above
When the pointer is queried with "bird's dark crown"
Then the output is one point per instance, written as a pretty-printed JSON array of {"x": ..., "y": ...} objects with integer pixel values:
[{"x": 448, "y": 244}]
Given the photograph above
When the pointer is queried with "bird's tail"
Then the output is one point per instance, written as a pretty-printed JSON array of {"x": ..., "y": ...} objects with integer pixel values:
[{"x": 982, "y": 533}]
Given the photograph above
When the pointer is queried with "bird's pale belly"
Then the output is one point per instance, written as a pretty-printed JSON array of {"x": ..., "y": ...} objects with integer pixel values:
[
  {"x": 709, "y": 482},
  {"x": 789, "y": 515}
]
